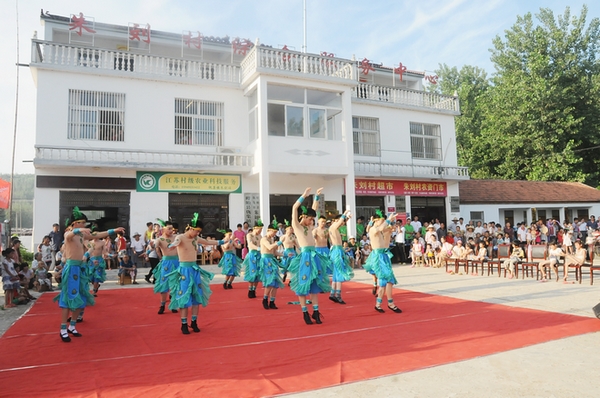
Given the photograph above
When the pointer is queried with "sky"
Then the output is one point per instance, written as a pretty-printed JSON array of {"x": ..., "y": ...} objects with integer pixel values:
[{"x": 422, "y": 35}]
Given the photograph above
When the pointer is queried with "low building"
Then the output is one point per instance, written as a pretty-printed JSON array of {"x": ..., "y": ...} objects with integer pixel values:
[
  {"x": 135, "y": 123},
  {"x": 525, "y": 201}
]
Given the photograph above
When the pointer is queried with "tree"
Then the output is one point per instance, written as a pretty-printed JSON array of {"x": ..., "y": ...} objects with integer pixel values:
[{"x": 542, "y": 116}]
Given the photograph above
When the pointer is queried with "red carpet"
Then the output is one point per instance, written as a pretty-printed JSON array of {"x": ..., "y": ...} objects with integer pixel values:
[{"x": 244, "y": 351}]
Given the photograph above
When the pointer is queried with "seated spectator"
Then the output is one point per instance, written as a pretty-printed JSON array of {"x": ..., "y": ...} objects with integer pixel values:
[
  {"x": 127, "y": 267},
  {"x": 349, "y": 252},
  {"x": 58, "y": 272},
  {"x": 41, "y": 275},
  {"x": 45, "y": 249},
  {"x": 416, "y": 252},
  {"x": 430, "y": 255},
  {"x": 10, "y": 277},
  {"x": 554, "y": 255},
  {"x": 28, "y": 275},
  {"x": 365, "y": 251},
  {"x": 516, "y": 256},
  {"x": 576, "y": 259}
]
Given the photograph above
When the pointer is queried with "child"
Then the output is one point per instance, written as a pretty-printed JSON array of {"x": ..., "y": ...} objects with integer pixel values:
[
  {"x": 516, "y": 256},
  {"x": 417, "y": 252},
  {"x": 10, "y": 277},
  {"x": 554, "y": 254},
  {"x": 42, "y": 275},
  {"x": 28, "y": 275},
  {"x": 127, "y": 267},
  {"x": 430, "y": 255}
]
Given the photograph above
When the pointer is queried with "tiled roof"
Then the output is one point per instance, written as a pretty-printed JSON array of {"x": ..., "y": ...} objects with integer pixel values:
[{"x": 505, "y": 191}]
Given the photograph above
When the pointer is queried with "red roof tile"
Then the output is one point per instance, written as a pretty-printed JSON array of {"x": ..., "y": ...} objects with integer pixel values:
[{"x": 505, "y": 191}]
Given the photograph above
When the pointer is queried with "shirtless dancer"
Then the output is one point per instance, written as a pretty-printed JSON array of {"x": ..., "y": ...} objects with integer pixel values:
[
  {"x": 290, "y": 244},
  {"x": 309, "y": 269},
  {"x": 379, "y": 260},
  {"x": 340, "y": 262},
  {"x": 269, "y": 268},
  {"x": 191, "y": 286},
  {"x": 251, "y": 274},
  {"x": 74, "y": 294},
  {"x": 169, "y": 262},
  {"x": 97, "y": 264}
]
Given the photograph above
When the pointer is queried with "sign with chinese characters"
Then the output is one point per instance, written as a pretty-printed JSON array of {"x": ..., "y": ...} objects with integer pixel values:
[
  {"x": 188, "y": 182},
  {"x": 251, "y": 208},
  {"x": 396, "y": 187},
  {"x": 138, "y": 37},
  {"x": 81, "y": 29}
]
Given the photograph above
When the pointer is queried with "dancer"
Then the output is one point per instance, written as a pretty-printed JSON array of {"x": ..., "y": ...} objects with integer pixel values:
[
  {"x": 290, "y": 244},
  {"x": 379, "y": 260},
  {"x": 269, "y": 268},
  {"x": 96, "y": 264},
  {"x": 309, "y": 268},
  {"x": 74, "y": 294},
  {"x": 251, "y": 274},
  {"x": 340, "y": 262},
  {"x": 190, "y": 283},
  {"x": 358, "y": 251},
  {"x": 168, "y": 263},
  {"x": 230, "y": 262}
]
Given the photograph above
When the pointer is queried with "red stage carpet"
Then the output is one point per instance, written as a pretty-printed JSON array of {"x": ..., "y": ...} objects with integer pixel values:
[{"x": 245, "y": 351}]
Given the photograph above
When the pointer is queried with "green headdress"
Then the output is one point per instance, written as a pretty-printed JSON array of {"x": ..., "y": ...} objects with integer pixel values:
[
  {"x": 195, "y": 223},
  {"x": 379, "y": 214},
  {"x": 287, "y": 223},
  {"x": 223, "y": 231},
  {"x": 274, "y": 224},
  {"x": 161, "y": 222},
  {"x": 76, "y": 215},
  {"x": 258, "y": 224}
]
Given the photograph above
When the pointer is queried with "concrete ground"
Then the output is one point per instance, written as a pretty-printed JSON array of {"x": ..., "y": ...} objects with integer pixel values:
[{"x": 562, "y": 368}]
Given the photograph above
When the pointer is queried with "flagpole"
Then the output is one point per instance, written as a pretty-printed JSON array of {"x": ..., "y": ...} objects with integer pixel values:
[
  {"x": 304, "y": 48},
  {"x": 12, "y": 170}
]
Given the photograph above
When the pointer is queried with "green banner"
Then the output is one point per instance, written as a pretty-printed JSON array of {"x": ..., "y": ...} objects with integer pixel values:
[{"x": 188, "y": 182}]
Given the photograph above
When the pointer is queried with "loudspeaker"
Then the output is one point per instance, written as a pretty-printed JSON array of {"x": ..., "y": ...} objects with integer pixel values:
[{"x": 597, "y": 310}]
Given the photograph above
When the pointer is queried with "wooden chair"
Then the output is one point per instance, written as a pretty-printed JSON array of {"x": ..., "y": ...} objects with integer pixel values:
[
  {"x": 536, "y": 253},
  {"x": 503, "y": 254},
  {"x": 419, "y": 262},
  {"x": 464, "y": 263},
  {"x": 589, "y": 263},
  {"x": 451, "y": 262},
  {"x": 125, "y": 279},
  {"x": 475, "y": 265}
]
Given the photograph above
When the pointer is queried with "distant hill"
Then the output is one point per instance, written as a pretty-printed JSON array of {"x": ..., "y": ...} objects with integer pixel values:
[{"x": 22, "y": 209}]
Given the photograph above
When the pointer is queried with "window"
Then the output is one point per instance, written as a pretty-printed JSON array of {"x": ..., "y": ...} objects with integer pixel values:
[
  {"x": 198, "y": 122},
  {"x": 425, "y": 141},
  {"x": 476, "y": 216},
  {"x": 299, "y": 112},
  {"x": 252, "y": 116},
  {"x": 366, "y": 136},
  {"x": 96, "y": 115}
]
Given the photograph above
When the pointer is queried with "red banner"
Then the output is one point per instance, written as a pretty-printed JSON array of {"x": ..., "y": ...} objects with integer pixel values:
[
  {"x": 396, "y": 187},
  {"x": 4, "y": 194}
]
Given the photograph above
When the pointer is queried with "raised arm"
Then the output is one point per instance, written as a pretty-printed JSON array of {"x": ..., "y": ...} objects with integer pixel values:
[
  {"x": 338, "y": 223},
  {"x": 315, "y": 205},
  {"x": 296, "y": 206}
]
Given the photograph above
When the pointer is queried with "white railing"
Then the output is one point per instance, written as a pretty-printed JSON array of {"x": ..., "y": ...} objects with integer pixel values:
[
  {"x": 291, "y": 61},
  {"x": 404, "y": 96},
  {"x": 374, "y": 169},
  {"x": 57, "y": 157},
  {"x": 65, "y": 55}
]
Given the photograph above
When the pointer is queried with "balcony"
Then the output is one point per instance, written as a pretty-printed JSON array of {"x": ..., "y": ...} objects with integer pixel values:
[
  {"x": 53, "y": 157},
  {"x": 408, "y": 98},
  {"x": 58, "y": 55},
  {"x": 301, "y": 65},
  {"x": 377, "y": 169}
]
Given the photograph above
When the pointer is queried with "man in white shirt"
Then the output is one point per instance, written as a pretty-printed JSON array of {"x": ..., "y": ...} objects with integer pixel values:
[
  {"x": 138, "y": 247},
  {"x": 452, "y": 225},
  {"x": 416, "y": 224},
  {"x": 461, "y": 224},
  {"x": 479, "y": 229},
  {"x": 522, "y": 233},
  {"x": 399, "y": 240}
]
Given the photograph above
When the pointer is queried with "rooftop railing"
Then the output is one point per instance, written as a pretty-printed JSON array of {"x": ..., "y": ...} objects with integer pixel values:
[{"x": 377, "y": 169}]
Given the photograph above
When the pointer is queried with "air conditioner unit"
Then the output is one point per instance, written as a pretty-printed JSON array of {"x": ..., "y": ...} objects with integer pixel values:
[{"x": 228, "y": 150}]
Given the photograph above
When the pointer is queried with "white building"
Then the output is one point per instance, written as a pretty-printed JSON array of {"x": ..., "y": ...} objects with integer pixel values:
[{"x": 134, "y": 124}]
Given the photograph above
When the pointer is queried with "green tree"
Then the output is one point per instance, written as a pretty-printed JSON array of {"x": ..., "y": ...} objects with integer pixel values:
[{"x": 541, "y": 118}]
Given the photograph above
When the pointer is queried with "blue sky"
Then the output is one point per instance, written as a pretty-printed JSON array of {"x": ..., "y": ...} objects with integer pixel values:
[{"x": 420, "y": 34}]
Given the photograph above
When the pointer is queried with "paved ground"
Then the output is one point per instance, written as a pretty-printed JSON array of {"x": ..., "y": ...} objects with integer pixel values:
[{"x": 561, "y": 368}]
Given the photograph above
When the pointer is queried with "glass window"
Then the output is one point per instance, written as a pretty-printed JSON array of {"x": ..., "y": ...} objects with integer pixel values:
[
  {"x": 276, "y": 119},
  {"x": 96, "y": 116},
  {"x": 425, "y": 141},
  {"x": 325, "y": 98},
  {"x": 317, "y": 123},
  {"x": 198, "y": 122},
  {"x": 365, "y": 132},
  {"x": 285, "y": 93},
  {"x": 295, "y": 121}
]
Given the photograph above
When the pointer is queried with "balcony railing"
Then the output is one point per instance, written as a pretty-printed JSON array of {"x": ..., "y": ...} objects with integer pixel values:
[
  {"x": 275, "y": 60},
  {"x": 408, "y": 97},
  {"x": 373, "y": 169},
  {"x": 46, "y": 156},
  {"x": 65, "y": 55}
]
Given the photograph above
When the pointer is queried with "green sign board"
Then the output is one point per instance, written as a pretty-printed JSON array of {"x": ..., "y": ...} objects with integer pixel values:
[{"x": 188, "y": 182}]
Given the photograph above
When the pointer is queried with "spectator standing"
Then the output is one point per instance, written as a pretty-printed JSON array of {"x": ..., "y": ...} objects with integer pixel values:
[
  {"x": 240, "y": 235},
  {"x": 148, "y": 232},
  {"x": 138, "y": 247},
  {"x": 45, "y": 248},
  {"x": 416, "y": 224},
  {"x": 592, "y": 225},
  {"x": 121, "y": 244},
  {"x": 56, "y": 239},
  {"x": 400, "y": 242},
  {"x": 10, "y": 277}
]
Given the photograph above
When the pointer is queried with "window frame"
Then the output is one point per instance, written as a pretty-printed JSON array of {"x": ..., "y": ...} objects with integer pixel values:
[
  {"x": 189, "y": 130},
  {"x": 358, "y": 145},
  {"x": 90, "y": 116},
  {"x": 437, "y": 137}
]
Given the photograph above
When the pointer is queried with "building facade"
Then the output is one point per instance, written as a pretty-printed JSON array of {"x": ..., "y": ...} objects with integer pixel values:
[{"x": 134, "y": 124}]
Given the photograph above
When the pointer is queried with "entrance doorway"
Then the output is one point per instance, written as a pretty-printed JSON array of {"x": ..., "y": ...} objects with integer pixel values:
[
  {"x": 428, "y": 209},
  {"x": 366, "y": 206},
  {"x": 107, "y": 210},
  {"x": 213, "y": 210}
]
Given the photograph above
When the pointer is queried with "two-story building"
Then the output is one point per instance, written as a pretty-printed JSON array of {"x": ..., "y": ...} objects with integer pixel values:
[{"x": 134, "y": 124}]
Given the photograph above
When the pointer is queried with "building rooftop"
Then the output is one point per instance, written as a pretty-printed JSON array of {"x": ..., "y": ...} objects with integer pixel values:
[{"x": 506, "y": 191}]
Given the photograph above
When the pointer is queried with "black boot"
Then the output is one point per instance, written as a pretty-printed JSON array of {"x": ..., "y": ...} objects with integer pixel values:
[
  {"x": 266, "y": 303},
  {"x": 306, "y": 318},
  {"x": 317, "y": 317},
  {"x": 195, "y": 327},
  {"x": 174, "y": 311},
  {"x": 184, "y": 328},
  {"x": 161, "y": 310},
  {"x": 332, "y": 298},
  {"x": 338, "y": 299},
  {"x": 249, "y": 293},
  {"x": 224, "y": 285},
  {"x": 65, "y": 338},
  {"x": 272, "y": 305}
]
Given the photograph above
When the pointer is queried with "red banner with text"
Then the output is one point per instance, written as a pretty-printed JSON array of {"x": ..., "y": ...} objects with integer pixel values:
[{"x": 395, "y": 187}]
